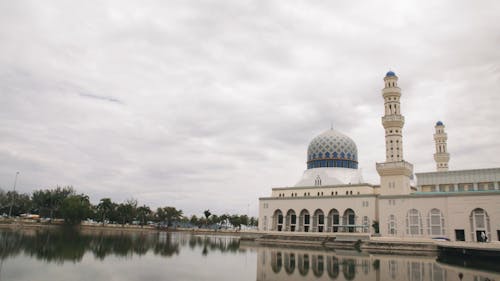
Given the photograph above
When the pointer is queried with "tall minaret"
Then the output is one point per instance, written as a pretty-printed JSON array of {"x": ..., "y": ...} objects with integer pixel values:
[
  {"x": 395, "y": 173},
  {"x": 441, "y": 156},
  {"x": 393, "y": 121}
]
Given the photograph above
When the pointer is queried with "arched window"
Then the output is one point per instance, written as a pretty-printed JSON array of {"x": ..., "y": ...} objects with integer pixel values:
[
  {"x": 335, "y": 155},
  {"x": 334, "y": 220},
  {"x": 319, "y": 221},
  {"x": 327, "y": 155},
  {"x": 391, "y": 225},
  {"x": 304, "y": 221},
  {"x": 317, "y": 182},
  {"x": 413, "y": 222},
  {"x": 480, "y": 224},
  {"x": 291, "y": 221},
  {"x": 349, "y": 220},
  {"x": 435, "y": 222},
  {"x": 278, "y": 220}
]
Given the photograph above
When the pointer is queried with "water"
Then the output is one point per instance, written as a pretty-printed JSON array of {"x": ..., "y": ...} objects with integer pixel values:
[{"x": 114, "y": 255}]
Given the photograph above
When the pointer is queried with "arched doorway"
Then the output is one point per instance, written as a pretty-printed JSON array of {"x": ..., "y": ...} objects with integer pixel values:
[
  {"x": 480, "y": 225},
  {"x": 349, "y": 220},
  {"x": 278, "y": 220},
  {"x": 304, "y": 221},
  {"x": 291, "y": 220},
  {"x": 333, "y": 220},
  {"x": 319, "y": 221}
]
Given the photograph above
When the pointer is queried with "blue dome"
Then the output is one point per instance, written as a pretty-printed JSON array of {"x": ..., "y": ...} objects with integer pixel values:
[
  {"x": 390, "y": 73},
  {"x": 439, "y": 123},
  {"x": 332, "y": 149}
]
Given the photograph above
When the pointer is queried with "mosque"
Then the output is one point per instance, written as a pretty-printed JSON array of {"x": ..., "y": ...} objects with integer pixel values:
[{"x": 331, "y": 196}]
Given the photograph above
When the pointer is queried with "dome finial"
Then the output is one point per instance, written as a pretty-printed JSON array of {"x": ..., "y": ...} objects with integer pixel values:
[{"x": 331, "y": 125}]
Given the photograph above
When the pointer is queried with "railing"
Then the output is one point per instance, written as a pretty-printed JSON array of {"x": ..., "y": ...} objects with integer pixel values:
[
  {"x": 394, "y": 165},
  {"x": 393, "y": 118}
]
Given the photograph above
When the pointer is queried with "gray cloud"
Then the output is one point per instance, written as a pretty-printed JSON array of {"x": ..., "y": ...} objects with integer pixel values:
[{"x": 207, "y": 104}]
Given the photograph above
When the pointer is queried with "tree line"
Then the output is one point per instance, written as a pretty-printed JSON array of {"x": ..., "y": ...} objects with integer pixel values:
[{"x": 65, "y": 203}]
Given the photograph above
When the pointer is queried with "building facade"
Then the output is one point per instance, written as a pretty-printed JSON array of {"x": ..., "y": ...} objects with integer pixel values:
[{"x": 332, "y": 196}]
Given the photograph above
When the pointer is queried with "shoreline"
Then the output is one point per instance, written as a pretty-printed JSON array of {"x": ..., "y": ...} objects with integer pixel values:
[{"x": 328, "y": 241}]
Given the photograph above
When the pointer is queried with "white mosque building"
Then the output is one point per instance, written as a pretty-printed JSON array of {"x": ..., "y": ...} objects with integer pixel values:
[{"x": 331, "y": 196}]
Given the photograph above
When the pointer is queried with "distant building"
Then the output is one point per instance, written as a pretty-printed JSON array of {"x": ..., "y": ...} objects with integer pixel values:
[{"x": 332, "y": 196}]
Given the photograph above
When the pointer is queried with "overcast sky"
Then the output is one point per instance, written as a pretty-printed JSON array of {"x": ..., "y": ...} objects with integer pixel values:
[{"x": 209, "y": 104}]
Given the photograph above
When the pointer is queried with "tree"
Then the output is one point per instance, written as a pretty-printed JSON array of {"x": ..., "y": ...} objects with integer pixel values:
[
  {"x": 244, "y": 220},
  {"x": 214, "y": 219},
  {"x": 194, "y": 220},
  {"x": 253, "y": 221},
  {"x": 20, "y": 202},
  {"x": 75, "y": 208},
  {"x": 126, "y": 211},
  {"x": 143, "y": 214},
  {"x": 104, "y": 209},
  {"x": 235, "y": 220},
  {"x": 49, "y": 201},
  {"x": 168, "y": 214}
]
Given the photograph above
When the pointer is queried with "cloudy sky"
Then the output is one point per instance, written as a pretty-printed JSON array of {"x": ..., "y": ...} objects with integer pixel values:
[{"x": 209, "y": 104}]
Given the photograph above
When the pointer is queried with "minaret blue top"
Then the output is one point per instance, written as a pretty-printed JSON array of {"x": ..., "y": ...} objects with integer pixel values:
[
  {"x": 439, "y": 123},
  {"x": 390, "y": 73}
]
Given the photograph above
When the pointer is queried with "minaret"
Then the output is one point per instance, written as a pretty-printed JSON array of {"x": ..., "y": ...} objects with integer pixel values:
[
  {"x": 393, "y": 121},
  {"x": 395, "y": 173},
  {"x": 441, "y": 156}
]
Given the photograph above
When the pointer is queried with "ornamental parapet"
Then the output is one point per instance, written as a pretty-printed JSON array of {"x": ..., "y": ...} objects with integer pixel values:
[
  {"x": 442, "y": 156},
  {"x": 393, "y": 121},
  {"x": 392, "y": 91},
  {"x": 441, "y": 135},
  {"x": 395, "y": 168}
]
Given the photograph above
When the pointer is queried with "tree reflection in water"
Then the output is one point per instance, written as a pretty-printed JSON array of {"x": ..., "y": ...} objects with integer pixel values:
[{"x": 67, "y": 244}]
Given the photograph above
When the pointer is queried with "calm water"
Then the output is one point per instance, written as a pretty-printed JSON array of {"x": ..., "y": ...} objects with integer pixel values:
[{"x": 69, "y": 255}]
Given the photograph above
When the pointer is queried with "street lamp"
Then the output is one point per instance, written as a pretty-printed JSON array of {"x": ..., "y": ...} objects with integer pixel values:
[{"x": 13, "y": 195}]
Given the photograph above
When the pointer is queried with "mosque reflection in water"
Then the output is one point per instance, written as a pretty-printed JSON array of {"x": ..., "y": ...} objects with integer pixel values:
[
  {"x": 294, "y": 264},
  {"x": 57, "y": 249}
]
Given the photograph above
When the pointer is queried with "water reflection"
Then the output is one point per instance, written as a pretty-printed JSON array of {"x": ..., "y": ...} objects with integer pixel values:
[
  {"x": 300, "y": 264},
  {"x": 69, "y": 245},
  {"x": 56, "y": 252}
]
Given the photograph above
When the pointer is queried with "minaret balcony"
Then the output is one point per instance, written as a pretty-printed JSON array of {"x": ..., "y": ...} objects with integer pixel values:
[
  {"x": 441, "y": 136},
  {"x": 395, "y": 168},
  {"x": 393, "y": 121},
  {"x": 442, "y": 157}
]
